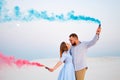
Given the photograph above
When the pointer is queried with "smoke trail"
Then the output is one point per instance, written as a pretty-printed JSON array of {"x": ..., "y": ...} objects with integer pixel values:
[
  {"x": 32, "y": 14},
  {"x": 80, "y": 17},
  {"x": 10, "y": 60}
]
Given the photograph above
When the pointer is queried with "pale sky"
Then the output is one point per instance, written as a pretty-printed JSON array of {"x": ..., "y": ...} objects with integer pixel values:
[{"x": 41, "y": 39}]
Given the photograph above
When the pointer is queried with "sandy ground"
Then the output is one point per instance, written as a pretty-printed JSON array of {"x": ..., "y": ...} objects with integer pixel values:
[{"x": 106, "y": 68}]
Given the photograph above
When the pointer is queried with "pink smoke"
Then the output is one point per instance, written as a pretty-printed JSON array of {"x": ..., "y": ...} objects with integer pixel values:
[{"x": 10, "y": 60}]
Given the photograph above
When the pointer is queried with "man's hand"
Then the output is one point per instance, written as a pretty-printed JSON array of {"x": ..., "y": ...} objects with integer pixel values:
[{"x": 98, "y": 29}]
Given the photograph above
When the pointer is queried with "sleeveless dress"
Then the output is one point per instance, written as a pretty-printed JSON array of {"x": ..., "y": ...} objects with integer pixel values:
[{"x": 67, "y": 72}]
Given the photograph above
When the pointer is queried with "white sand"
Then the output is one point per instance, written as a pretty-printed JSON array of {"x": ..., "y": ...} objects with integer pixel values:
[{"x": 99, "y": 69}]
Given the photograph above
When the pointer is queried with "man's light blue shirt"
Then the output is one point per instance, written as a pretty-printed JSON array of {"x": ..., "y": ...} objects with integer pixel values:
[{"x": 79, "y": 51}]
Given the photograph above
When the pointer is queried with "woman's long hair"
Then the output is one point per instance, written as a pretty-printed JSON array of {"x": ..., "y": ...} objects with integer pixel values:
[{"x": 63, "y": 48}]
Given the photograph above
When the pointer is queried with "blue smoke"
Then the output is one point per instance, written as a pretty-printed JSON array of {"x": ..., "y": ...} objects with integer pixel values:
[
  {"x": 32, "y": 14},
  {"x": 84, "y": 18}
]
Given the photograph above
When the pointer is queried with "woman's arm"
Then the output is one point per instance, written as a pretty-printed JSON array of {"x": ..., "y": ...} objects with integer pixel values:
[
  {"x": 62, "y": 59},
  {"x": 55, "y": 67}
]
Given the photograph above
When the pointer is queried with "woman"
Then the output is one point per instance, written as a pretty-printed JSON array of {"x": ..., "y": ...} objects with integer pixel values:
[{"x": 67, "y": 72}]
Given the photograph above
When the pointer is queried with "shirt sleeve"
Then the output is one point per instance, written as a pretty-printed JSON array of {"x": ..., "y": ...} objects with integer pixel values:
[
  {"x": 64, "y": 56},
  {"x": 93, "y": 41}
]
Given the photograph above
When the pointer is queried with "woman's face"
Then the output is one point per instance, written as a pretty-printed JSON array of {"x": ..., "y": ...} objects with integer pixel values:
[{"x": 68, "y": 45}]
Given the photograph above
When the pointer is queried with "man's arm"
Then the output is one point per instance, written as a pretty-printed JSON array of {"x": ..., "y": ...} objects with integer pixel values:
[{"x": 95, "y": 39}]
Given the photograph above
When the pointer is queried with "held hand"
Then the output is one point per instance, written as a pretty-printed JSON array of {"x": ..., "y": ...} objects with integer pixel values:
[
  {"x": 46, "y": 67},
  {"x": 50, "y": 69},
  {"x": 98, "y": 29},
  {"x": 99, "y": 25}
]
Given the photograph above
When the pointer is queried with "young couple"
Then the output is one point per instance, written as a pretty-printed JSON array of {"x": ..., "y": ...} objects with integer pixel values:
[{"x": 74, "y": 57}]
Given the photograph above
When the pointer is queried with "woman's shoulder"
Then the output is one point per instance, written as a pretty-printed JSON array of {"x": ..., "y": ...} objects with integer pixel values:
[{"x": 65, "y": 53}]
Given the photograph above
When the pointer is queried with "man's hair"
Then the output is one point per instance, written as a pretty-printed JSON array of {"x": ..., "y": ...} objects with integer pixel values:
[{"x": 73, "y": 35}]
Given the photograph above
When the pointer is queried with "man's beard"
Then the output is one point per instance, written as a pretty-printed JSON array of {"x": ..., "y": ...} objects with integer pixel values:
[{"x": 74, "y": 44}]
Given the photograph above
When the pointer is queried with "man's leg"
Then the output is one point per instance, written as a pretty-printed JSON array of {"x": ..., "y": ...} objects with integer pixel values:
[{"x": 80, "y": 74}]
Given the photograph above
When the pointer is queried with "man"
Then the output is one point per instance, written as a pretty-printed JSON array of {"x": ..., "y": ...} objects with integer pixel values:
[{"x": 78, "y": 52}]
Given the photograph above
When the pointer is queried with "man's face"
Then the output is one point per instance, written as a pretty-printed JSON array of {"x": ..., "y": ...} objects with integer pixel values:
[{"x": 72, "y": 41}]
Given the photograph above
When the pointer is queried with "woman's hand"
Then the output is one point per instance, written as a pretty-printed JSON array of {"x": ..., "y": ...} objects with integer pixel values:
[
  {"x": 49, "y": 69},
  {"x": 55, "y": 67}
]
